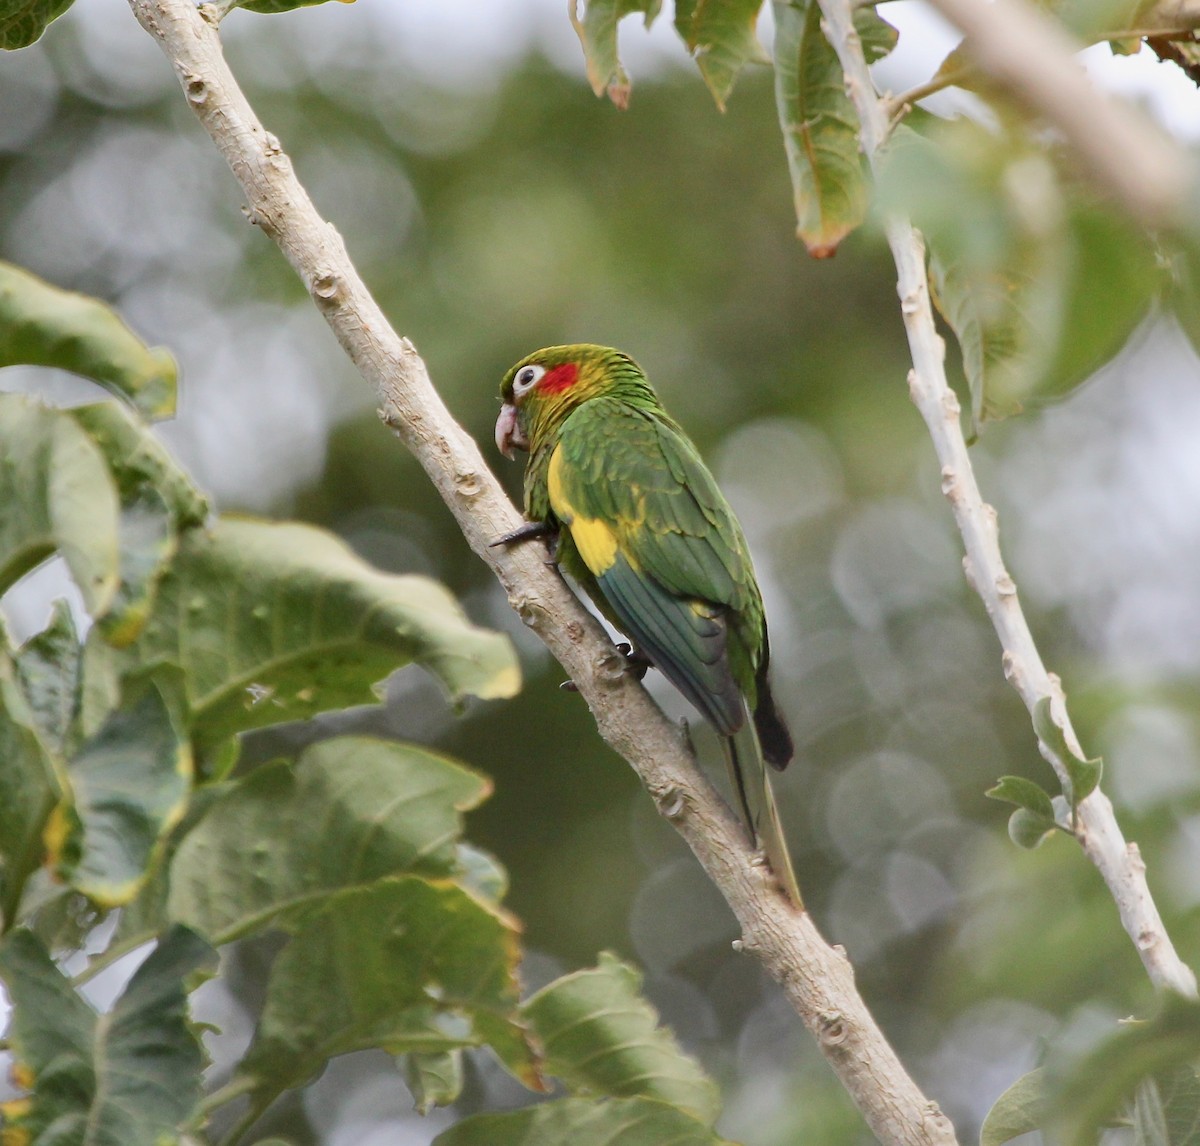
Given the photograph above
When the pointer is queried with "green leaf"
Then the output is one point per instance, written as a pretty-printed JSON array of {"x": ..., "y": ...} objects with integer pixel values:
[
  {"x": 481, "y": 872},
  {"x": 27, "y": 791},
  {"x": 722, "y": 38},
  {"x": 820, "y": 131},
  {"x": 1024, "y": 793},
  {"x": 48, "y": 671},
  {"x": 352, "y": 810},
  {"x": 158, "y": 501},
  {"x": 1040, "y": 284},
  {"x": 279, "y": 621},
  {"x": 41, "y": 325},
  {"x": 1095, "y": 1089},
  {"x": 1027, "y": 830},
  {"x": 1166, "y": 1109},
  {"x": 435, "y": 1079},
  {"x": 597, "y": 32},
  {"x": 405, "y": 965},
  {"x": 23, "y": 21},
  {"x": 57, "y": 496},
  {"x": 131, "y": 1077},
  {"x": 1084, "y": 774},
  {"x": 1019, "y": 1110},
  {"x": 584, "y": 1122},
  {"x": 128, "y": 785},
  {"x": 137, "y": 460},
  {"x": 601, "y": 1037}
]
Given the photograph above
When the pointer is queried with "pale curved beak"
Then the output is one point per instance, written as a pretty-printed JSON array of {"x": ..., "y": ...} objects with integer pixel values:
[{"x": 508, "y": 431}]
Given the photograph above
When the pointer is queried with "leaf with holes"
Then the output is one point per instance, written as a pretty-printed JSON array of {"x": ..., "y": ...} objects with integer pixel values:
[
  {"x": 279, "y": 621},
  {"x": 406, "y": 965},
  {"x": 350, "y": 811}
]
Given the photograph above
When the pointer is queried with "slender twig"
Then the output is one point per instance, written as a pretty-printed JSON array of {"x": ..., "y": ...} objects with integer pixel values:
[
  {"x": 1031, "y": 55},
  {"x": 816, "y": 978},
  {"x": 932, "y": 86},
  {"x": 1096, "y": 827}
]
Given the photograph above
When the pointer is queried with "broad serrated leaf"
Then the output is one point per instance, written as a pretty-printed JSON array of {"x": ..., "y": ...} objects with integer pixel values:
[
  {"x": 1027, "y": 829},
  {"x": 41, "y": 325},
  {"x": 129, "y": 1078},
  {"x": 435, "y": 1079},
  {"x": 48, "y": 671},
  {"x": 405, "y": 965},
  {"x": 1084, "y": 774},
  {"x": 722, "y": 38},
  {"x": 23, "y": 21},
  {"x": 1024, "y": 793},
  {"x": 127, "y": 787},
  {"x": 584, "y": 1122},
  {"x": 27, "y": 791},
  {"x": 601, "y": 1037},
  {"x": 1019, "y": 1110},
  {"x": 1094, "y": 1090},
  {"x": 350, "y": 811},
  {"x": 57, "y": 497},
  {"x": 597, "y": 32},
  {"x": 273, "y": 622}
]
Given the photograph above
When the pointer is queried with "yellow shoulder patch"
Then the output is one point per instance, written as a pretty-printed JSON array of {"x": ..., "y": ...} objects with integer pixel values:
[{"x": 594, "y": 539}]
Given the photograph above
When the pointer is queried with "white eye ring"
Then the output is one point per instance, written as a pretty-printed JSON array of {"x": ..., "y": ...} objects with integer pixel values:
[{"x": 526, "y": 379}]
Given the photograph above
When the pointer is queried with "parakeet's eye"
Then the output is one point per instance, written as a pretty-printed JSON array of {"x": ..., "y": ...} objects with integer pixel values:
[{"x": 526, "y": 378}]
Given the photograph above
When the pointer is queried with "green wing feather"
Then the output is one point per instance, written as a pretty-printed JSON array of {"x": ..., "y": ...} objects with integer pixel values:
[{"x": 681, "y": 583}]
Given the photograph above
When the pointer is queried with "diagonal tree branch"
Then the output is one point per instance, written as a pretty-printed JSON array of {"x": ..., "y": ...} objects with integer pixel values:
[
  {"x": 816, "y": 978},
  {"x": 1096, "y": 828},
  {"x": 1031, "y": 55}
]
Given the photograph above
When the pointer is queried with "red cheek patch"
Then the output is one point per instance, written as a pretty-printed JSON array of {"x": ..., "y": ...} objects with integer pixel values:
[{"x": 559, "y": 379}]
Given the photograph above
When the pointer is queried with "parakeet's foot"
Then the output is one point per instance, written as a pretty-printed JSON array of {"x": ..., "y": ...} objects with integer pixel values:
[
  {"x": 636, "y": 664},
  {"x": 526, "y": 532},
  {"x": 636, "y": 661}
]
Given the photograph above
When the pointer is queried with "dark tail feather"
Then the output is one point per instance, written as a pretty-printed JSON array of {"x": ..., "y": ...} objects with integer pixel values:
[
  {"x": 773, "y": 734},
  {"x": 756, "y": 801}
]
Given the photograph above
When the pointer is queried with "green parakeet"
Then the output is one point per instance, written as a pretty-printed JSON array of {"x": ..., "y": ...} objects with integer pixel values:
[{"x": 644, "y": 530}]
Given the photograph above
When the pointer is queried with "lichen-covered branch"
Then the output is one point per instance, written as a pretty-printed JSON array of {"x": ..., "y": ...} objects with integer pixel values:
[
  {"x": 816, "y": 978},
  {"x": 1096, "y": 827}
]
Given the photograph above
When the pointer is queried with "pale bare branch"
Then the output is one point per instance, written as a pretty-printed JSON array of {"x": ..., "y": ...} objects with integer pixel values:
[
  {"x": 1096, "y": 827},
  {"x": 816, "y": 978},
  {"x": 1032, "y": 56}
]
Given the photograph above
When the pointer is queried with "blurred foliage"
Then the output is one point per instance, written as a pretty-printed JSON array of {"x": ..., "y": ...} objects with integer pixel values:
[{"x": 510, "y": 209}]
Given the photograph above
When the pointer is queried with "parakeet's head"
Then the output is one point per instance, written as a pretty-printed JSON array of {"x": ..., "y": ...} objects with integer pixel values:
[{"x": 544, "y": 387}]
